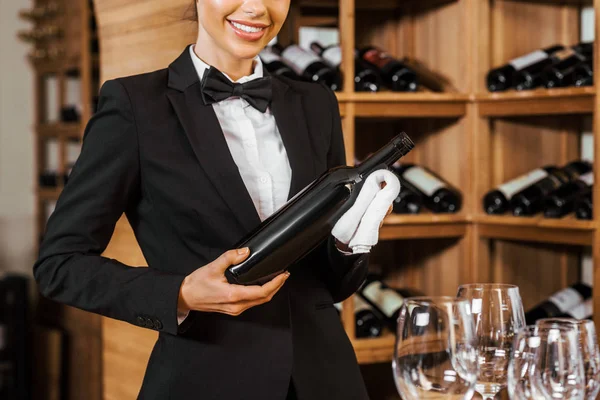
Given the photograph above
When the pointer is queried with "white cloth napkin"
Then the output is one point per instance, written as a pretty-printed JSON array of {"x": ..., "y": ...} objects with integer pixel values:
[{"x": 359, "y": 226}]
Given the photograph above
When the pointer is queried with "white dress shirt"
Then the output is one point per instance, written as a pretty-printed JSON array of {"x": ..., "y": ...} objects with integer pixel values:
[{"x": 255, "y": 145}]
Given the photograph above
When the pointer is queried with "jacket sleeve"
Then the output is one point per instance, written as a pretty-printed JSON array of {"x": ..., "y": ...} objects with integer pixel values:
[
  {"x": 344, "y": 273},
  {"x": 104, "y": 183}
]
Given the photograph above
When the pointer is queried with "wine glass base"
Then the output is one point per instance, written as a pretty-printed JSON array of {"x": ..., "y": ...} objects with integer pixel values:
[{"x": 488, "y": 391}]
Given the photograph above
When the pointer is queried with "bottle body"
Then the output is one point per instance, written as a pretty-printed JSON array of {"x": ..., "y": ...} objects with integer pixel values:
[
  {"x": 560, "y": 74},
  {"x": 273, "y": 63},
  {"x": 311, "y": 67},
  {"x": 559, "y": 303},
  {"x": 497, "y": 201},
  {"x": 305, "y": 220},
  {"x": 394, "y": 74},
  {"x": 408, "y": 201},
  {"x": 562, "y": 201},
  {"x": 584, "y": 206},
  {"x": 504, "y": 77},
  {"x": 438, "y": 196},
  {"x": 530, "y": 200}
]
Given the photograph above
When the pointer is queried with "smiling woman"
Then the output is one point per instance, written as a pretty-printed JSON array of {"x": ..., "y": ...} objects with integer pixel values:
[{"x": 197, "y": 155}]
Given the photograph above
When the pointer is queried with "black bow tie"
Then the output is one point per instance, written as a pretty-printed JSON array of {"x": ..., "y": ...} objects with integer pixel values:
[{"x": 216, "y": 87}]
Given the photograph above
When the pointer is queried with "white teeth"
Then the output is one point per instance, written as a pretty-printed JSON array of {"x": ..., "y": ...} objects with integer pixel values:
[{"x": 246, "y": 28}]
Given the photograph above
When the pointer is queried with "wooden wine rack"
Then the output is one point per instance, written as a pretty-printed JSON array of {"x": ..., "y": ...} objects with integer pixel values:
[
  {"x": 474, "y": 139},
  {"x": 68, "y": 341}
]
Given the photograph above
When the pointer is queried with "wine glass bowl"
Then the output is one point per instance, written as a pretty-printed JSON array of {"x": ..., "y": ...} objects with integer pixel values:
[
  {"x": 434, "y": 354},
  {"x": 497, "y": 312},
  {"x": 588, "y": 346}
]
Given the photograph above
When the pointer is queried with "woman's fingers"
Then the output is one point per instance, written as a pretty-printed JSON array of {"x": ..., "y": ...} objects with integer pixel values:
[{"x": 253, "y": 293}]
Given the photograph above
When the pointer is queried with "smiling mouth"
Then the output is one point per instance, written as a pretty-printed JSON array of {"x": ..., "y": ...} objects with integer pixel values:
[{"x": 247, "y": 28}]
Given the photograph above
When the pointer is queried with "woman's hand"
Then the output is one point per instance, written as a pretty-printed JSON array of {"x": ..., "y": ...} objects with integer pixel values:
[{"x": 207, "y": 289}]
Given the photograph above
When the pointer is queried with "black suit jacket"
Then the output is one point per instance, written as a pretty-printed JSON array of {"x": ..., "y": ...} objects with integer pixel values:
[{"x": 154, "y": 151}]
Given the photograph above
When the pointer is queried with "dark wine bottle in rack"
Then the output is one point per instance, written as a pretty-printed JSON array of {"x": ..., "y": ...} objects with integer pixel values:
[
  {"x": 437, "y": 194},
  {"x": 562, "y": 201},
  {"x": 559, "y": 303},
  {"x": 583, "y": 73},
  {"x": 366, "y": 78},
  {"x": 367, "y": 324},
  {"x": 273, "y": 63},
  {"x": 583, "y": 310},
  {"x": 311, "y": 67},
  {"x": 529, "y": 201},
  {"x": 497, "y": 201},
  {"x": 71, "y": 111},
  {"x": 393, "y": 73},
  {"x": 408, "y": 201},
  {"x": 505, "y": 77},
  {"x": 561, "y": 72},
  {"x": 584, "y": 206}
]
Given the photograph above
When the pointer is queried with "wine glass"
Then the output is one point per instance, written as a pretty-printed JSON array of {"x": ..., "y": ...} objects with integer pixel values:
[
  {"x": 525, "y": 345},
  {"x": 497, "y": 311},
  {"x": 557, "y": 370},
  {"x": 435, "y": 355},
  {"x": 588, "y": 344}
]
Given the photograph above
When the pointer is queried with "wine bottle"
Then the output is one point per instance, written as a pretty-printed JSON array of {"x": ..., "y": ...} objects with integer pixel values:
[
  {"x": 497, "y": 201},
  {"x": 385, "y": 300},
  {"x": 559, "y": 303},
  {"x": 505, "y": 77},
  {"x": 437, "y": 194},
  {"x": 393, "y": 73},
  {"x": 584, "y": 205},
  {"x": 529, "y": 201},
  {"x": 367, "y": 322},
  {"x": 562, "y": 201},
  {"x": 366, "y": 78},
  {"x": 311, "y": 67},
  {"x": 273, "y": 63},
  {"x": 408, "y": 201},
  {"x": 561, "y": 72},
  {"x": 583, "y": 310},
  {"x": 583, "y": 73},
  {"x": 71, "y": 110},
  {"x": 306, "y": 219}
]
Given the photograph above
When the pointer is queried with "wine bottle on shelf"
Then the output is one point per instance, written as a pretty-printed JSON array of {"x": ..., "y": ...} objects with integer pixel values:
[
  {"x": 304, "y": 221},
  {"x": 71, "y": 111},
  {"x": 437, "y": 194},
  {"x": 393, "y": 73},
  {"x": 584, "y": 205},
  {"x": 273, "y": 63},
  {"x": 367, "y": 323},
  {"x": 366, "y": 78},
  {"x": 384, "y": 299},
  {"x": 311, "y": 67},
  {"x": 583, "y": 73},
  {"x": 505, "y": 77},
  {"x": 529, "y": 201},
  {"x": 408, "y": 201},
  {"x": 561, "y": 72},
  {"x": 562, "y": 201},
  {"x": 497, "y": 201},
  {"x": 583, "y": 310},
  {"x": 559, "y": 303}
]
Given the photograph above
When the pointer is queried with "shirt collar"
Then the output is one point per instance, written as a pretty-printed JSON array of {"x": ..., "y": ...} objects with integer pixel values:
[{"x": 201, "y": 66}]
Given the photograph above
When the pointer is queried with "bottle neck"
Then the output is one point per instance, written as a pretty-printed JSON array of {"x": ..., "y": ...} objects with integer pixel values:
[{"x": 387, "y": 155}]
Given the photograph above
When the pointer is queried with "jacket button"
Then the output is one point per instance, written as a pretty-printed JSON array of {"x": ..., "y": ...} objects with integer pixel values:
[
  {"x": 141, "y": 321},
  {"x": 149, "y": 323},
  {"x": 158, "y": 325}
]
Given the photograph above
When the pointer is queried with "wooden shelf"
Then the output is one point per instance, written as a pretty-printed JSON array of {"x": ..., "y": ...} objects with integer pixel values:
[
  {"x": 537, "y": 102},
  {"x": 419, "y": 104},
  {"x": 375, "y": 350},
  {"x": 69, "y": 130},
  {"x": 567, "y": 230},
  {"x": 49, "y": 193},
  {"x": 423, "y": 226}
]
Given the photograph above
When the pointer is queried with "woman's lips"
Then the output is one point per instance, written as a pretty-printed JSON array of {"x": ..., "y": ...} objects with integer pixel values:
[{"x": 246, "y": 31}]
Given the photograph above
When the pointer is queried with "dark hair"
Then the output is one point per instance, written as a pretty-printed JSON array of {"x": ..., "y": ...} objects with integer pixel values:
[{"x": 191, "y": 13}]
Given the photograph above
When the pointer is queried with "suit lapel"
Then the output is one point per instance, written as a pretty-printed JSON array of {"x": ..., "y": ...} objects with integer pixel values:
[
  {"x": 206, "y": 138},
  {"x": 291, "y": 122}
]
